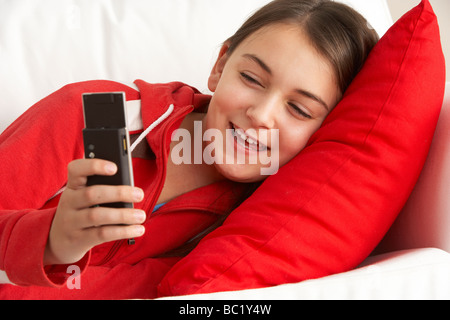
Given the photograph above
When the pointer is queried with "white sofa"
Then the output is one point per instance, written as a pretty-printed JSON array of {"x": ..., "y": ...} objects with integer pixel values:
[{"x": 47, "y": 44}]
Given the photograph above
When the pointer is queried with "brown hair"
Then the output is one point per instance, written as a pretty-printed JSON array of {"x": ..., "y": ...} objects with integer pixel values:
[{"x": 338, "y": 32}]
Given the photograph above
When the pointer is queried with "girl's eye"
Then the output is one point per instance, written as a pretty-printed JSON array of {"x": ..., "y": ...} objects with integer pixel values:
[
  {"x": 299, "y": 111},
  {"x": 249, "y": 79}
]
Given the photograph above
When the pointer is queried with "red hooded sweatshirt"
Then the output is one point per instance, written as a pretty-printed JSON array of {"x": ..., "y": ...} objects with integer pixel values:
[{"x": 35, "y": 151}]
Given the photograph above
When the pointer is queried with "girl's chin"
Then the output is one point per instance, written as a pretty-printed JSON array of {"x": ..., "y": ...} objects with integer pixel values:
[{"x": 240, "y": 172}]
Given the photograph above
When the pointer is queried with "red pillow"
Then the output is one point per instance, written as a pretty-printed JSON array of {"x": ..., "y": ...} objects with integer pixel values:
[{"x": 326, "y": 210}]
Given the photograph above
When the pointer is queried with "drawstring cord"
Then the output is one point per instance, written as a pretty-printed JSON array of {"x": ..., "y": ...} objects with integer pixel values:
[{"x": 152, "y": 126}]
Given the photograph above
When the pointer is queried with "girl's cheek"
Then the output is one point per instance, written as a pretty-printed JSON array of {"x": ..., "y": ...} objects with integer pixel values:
[{"x": 292, "y": 140}]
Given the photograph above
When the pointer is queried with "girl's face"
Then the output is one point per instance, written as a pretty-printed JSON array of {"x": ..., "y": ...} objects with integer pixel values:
[{"x": 274, "y": 83}]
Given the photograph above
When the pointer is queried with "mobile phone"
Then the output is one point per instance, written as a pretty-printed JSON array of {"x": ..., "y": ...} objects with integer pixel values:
[{"x": 106, "y": 137}]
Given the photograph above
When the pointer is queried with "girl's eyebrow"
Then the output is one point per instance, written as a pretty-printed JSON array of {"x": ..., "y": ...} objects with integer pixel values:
[
  {"x": 261, "y": 63},
  {"x": 302, "y": 92},
  {"x": 313, "y": 97}
]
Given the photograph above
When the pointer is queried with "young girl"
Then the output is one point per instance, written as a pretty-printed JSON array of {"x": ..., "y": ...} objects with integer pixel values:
[{"x": 274, "y": 82}]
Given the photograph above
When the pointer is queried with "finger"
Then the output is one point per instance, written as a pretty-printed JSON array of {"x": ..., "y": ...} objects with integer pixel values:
[
  {"x": 79, "y": 170},
  {"x": 103, "y": 234},
  {"x": 102, "y": 194},
  {"x": 101, "y": 216}
]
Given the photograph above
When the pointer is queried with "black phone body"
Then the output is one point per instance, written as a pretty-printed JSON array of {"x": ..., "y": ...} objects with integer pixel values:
[{"x": 106, "y": 137}]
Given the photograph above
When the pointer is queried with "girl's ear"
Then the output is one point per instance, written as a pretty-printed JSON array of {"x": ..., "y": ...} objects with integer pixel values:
[{"x": 217, "y": 70}]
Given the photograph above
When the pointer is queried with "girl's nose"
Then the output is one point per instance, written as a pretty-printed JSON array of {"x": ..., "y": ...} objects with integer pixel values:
[{"x": 263, "y": 115}]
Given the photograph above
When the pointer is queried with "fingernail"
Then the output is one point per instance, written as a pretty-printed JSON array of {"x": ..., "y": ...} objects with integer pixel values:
[
  {"x": 139, "y": 230},
  {"x": 138, "y": 194},
  {"x": 140, "y": 215},
  {"x": 110, "y": 168}
]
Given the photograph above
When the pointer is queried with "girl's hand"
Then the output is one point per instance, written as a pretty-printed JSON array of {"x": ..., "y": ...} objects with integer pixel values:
[{"x": 78, "y": 226}]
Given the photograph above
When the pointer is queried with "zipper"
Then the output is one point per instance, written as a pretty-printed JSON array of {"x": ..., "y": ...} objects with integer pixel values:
[
  {"x": 112, "y": 252},
  {"x": 119, "y": 243},
  {"x": 179, "y": 209}
]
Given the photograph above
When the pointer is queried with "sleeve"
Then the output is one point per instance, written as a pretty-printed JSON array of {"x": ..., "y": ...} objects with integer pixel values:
[
  {"x": 35, "y": 151},
  {"x": 122, "y": 281}
]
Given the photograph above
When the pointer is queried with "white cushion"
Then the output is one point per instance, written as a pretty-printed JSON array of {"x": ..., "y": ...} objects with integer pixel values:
[{"x": 414, "y": 274}]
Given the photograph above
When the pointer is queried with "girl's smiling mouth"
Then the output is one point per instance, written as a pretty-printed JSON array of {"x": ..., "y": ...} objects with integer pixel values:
[{"x": 246, "y": 141}]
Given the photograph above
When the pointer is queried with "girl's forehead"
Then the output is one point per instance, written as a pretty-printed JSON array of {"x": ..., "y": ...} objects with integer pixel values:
[
  {"x": 275, "y": 29},
  {"x": 279, "y": 39}
]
